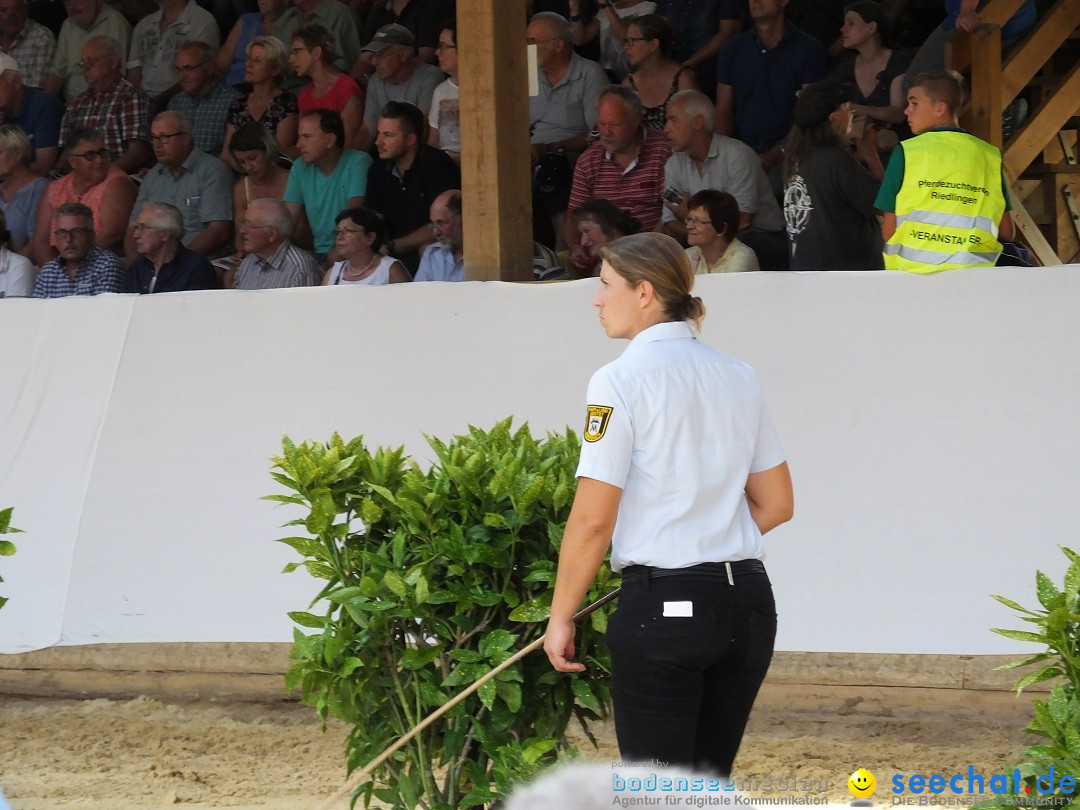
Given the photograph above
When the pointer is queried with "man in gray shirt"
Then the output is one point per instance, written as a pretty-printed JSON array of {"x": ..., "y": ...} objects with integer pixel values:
[
  {"x": 199, "y": 185},
  {"x": 399, "y": 76},
  {"x": 701, "y": 159}
]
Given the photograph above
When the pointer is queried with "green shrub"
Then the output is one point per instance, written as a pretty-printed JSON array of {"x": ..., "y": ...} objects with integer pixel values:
[
  {"x": 1056, "y": 719},
  {"x": 431, "y": 579},
  {"x": 7, "y": 548}
]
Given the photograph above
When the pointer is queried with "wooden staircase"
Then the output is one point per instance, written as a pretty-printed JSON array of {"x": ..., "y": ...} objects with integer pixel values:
[{"x": 1040, "y": 159}]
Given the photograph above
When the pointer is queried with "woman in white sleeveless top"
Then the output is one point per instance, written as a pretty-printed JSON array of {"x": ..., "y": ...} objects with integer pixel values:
[{"x": 358, "y": 237}]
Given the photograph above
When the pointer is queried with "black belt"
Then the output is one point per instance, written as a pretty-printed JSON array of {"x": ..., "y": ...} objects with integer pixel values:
[{"x": 725, "y": 571}]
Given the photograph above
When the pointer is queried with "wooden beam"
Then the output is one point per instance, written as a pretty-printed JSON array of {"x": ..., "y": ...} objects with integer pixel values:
[
  {"x": 1033, "y": 237},
  {"x": 495, "y": 175},
  {"x": 1043, "y": 125},
  {"x": 1055, "y": 26},
  {"x": 995, "y": 12},
  {"x": 983, "y": 115}
]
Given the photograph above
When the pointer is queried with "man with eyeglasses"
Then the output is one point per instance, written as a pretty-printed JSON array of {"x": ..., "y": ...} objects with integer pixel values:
[
  {"x": 112, "y": 105},
  {"x": 157, "y": 40},
  {"x": 399, "y": 76},
  {"x": 203, "y": 97},
  {"x": 271, "y": 260},
  {"x": 164, "y": 264},
  {"x": 35, "y": 112},
  {"x": 702, "y": 160},
  {"x": 562, "y": 114},
  {"x": 198, "y": 185},
  {"x": 445, "y": 259},
  {"x": 85, "y": 19},
  {"x": 423, "y": 18},
  {"x": 82, "y": 268},
  {"x": 444, "y": 117}
]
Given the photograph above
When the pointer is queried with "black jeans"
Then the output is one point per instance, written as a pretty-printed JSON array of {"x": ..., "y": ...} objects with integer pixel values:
[{"x": 683, "y": 687}]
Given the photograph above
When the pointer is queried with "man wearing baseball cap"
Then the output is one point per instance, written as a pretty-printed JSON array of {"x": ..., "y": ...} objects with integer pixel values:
[
  {"x": 35, "y": 112},
  {"x": 399, "y": 76}
]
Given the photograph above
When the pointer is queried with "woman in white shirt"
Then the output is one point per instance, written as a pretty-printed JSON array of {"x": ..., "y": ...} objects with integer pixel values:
[
  {"x": 681, "y": 473},
  {"x": 358, "y": 237},
  {"x": 16, "y": 272}
]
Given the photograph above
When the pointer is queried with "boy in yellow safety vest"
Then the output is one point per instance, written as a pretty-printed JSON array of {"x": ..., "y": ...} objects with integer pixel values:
[{"x": 944, "y": 197}]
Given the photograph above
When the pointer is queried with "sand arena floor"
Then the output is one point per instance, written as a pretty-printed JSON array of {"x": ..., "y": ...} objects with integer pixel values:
[{"x": 143, "y": 754}]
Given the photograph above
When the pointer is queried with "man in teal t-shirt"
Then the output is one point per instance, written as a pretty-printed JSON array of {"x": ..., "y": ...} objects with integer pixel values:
[{"x": 327, "y": 179}]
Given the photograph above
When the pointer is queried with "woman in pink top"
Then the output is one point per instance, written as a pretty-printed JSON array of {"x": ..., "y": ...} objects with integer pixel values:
[
  {"x": 312, "y": 55},
  {"x": 94, "y": 182}
]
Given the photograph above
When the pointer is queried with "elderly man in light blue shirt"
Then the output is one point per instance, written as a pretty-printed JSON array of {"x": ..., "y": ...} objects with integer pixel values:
[{"x": 444, "y": 260}]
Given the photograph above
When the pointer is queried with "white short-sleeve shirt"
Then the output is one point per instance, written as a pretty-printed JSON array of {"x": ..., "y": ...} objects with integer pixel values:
[{"x": 678, "y": 426}]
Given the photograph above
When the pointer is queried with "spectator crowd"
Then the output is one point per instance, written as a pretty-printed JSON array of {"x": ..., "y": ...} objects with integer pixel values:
[{"x": 155, "y": 147}]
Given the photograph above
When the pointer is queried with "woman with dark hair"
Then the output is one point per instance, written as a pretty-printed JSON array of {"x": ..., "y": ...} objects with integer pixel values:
[
  {"x": 712, "y": 225},
  {"x": 16, "y": 272},
  {"x": 828, "y": 195},
  {"x": 312, "y": 55},
  {"x": 681, "y": 473},
  {"x": 255, "y": 154},
  {"x": 598, "y": 222},
  {"x": 654, "y": 73},
  {"x": 874, "y": 74},
  {"x": 268, "y": 103},
  {"x": 358, "y": 237}
]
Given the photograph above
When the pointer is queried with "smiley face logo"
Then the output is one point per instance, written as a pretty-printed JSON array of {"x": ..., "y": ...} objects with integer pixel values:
[{"x": 862, "y": 784}]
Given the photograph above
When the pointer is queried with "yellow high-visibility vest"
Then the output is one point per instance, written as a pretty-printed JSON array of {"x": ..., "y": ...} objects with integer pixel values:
[{"x": 949, "y": 206}]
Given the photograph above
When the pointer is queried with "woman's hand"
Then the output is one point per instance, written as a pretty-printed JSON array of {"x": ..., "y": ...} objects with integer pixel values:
[{"x": 559, "y": 645}]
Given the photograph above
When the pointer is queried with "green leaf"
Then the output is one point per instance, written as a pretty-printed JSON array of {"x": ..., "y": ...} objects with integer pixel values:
[
  {"x": 1020, "y": 635},
  {"x": 1058, "y": 704},
  {"x": 583, "y": 693},
  {"x": 1044, "y": 674},
  {"x": 536, "y": 609},
  {"x": 488, "y": 692},
  {"x": 421, "y": 591},
  {"x": 308, "y": 619},
  {"x": 536, "y": 749},
  {"x": 1009, "y": 603},
  {"x": 496, "y": 641},
  {"x": 1026, "y": 662},
  {"x": 510, "y": 694},
  {"x": 418, "y": 658},
  {"x": 395, "y": 583},
  {"x": 7, "y": 548},
  {"x": 1049, "y": 596},
  {"x": 343, "y": 595}
]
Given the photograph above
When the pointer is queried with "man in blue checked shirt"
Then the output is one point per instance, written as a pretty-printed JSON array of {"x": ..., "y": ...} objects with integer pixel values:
[{"x": 82, "y": 268}]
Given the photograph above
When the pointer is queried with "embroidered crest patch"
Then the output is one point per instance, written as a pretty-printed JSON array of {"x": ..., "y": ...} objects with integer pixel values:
[{"x": 597, "y": 421}]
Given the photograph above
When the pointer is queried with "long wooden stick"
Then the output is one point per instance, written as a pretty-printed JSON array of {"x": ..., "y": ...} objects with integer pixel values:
[{"x": 358, "y": 778}]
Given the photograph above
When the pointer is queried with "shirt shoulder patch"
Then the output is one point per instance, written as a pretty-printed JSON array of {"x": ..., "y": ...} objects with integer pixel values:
[{"x": 596, "y": 422}]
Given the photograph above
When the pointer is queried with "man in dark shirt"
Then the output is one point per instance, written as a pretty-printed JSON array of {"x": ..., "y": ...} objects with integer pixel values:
[
  {"x": 163, "y": 263},
  {"x": 758, "y": 76},
  {"x": 406, "y": 179},
  {"x": 424, "y": 18}
]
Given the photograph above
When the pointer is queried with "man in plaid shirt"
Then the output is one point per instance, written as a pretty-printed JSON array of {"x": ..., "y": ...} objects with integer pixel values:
[
  {"x": 112, "y": 105},
  {"x": 203, "y": 97},
  {"x": 82, "y": 268},
  {"x": 29, "y": 43}
]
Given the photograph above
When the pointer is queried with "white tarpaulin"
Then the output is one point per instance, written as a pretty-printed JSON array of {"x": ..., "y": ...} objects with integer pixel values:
[{"x": 930, "y": 424}]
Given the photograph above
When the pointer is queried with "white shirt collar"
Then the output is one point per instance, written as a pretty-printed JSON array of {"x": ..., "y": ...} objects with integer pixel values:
[{"x": 668, "y": 330}]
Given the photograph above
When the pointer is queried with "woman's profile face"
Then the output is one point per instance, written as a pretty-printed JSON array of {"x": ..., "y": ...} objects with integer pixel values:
[
  {"x": 352, "y": 240},
  {"x": 855, "y": 30},
  {"x": 699, "y": 228},
  {"x": 637, "y": 48},
  {"x": 300, "y": 58},
  {"x": 617, "y": 304}
]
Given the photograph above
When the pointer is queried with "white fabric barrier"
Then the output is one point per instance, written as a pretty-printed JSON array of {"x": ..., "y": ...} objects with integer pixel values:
[{"x": 929, "y": 423}]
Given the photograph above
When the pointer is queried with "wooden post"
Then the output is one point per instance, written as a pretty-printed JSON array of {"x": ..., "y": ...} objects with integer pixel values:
[
  {"x": 495, "y": 173},
  {"x": 983, "y": 118}
]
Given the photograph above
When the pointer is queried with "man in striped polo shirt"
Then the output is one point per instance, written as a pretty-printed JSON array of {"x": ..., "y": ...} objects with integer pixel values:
[{"x": 625, "y": 166}]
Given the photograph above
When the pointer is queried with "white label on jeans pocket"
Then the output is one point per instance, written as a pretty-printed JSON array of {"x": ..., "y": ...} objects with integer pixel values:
[{"x": 681, "y": 609}]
